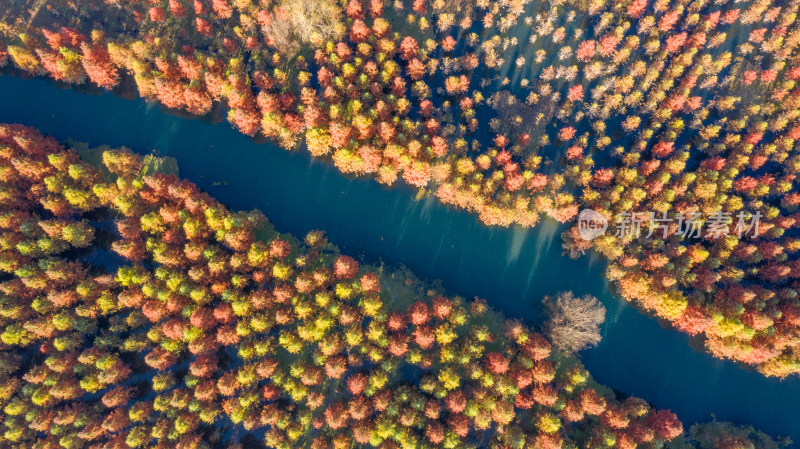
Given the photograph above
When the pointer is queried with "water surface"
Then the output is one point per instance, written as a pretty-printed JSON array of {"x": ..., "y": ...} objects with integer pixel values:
[{"x": 511, "y": 268}]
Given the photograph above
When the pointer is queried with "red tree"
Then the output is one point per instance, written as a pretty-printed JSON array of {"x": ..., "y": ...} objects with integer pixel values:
[{"x": 98, "y": 65}]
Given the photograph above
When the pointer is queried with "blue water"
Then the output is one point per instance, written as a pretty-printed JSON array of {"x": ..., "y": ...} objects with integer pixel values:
[{"x": 511, "y": 268}]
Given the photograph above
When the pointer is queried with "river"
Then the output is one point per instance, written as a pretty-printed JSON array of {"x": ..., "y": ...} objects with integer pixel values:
[{"x": 511, "y": 268}]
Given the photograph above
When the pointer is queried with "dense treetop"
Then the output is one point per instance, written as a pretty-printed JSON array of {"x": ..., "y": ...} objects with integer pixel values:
[
  {"x": 199, "y": 319},
  {"x": 625, "y": 107}
]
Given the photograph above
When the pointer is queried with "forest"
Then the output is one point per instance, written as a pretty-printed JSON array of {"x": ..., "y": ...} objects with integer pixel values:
[
  {"x": 668, "y": 107},
  {"x": 137, "y": 311},
  {"x": 630, "y": 107}
]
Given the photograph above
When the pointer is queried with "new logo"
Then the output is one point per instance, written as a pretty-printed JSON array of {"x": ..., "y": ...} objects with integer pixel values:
[{"x": 591, "y": 224}]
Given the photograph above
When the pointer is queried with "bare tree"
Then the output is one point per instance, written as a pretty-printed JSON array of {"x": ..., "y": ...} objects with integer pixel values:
[
  {"x": 574, "y": 323},
  {"x": 302, "y": 22}
]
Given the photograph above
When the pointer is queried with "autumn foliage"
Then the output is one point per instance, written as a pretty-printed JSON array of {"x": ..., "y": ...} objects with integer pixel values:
[
  {"x": 621, "y": 107},
  {"x": 209, "y": 324}
]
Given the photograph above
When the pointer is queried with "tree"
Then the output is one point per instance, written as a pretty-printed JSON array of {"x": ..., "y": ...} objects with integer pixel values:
[
  {"x": 122, "y": 162},
  {"x": 354, "y": 9},
  {"x": 575, "y": 93},
  {"x": 566, "y": 133},
  {"x": 675, "y": 42},
  {"x": 574, "y": 323},
  {"x": 345, "y": 267},
  {"x": 663, "y": 149},
  {"x": 336, "y": 415},
  {"x": 97, "y": 63},
  {"x": 419, "y": 313},
  {"x": 301, "y": 22},
  {"x": 725, "y": 435},
  {"x": 586, "y": 50},
  {"x": 415, "y": 69},
  {"x": 356, "y": 383},
  {"x": 637, "y": 8},
  {"x": 665, "y": 424},
  {"x": 176, "y": 8},
  {"x": 117, "y": 396},
  {"x": 222, "y": 8},
  {"x": 409, "y": 48},
  {"x": 417, "y": 174},
  {"x": 496, "y": 363}
]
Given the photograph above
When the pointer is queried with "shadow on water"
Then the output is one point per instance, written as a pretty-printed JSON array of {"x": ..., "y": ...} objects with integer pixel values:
[{"x": 511, "y": 268}]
